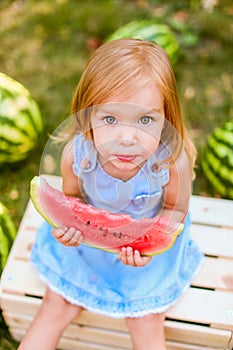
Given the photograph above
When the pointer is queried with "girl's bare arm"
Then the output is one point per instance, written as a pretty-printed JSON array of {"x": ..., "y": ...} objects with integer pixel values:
[
  {"x": 71, "y": 187},
  {"x": 179, "y": 189},
  {"x": 70, "y": 182}
]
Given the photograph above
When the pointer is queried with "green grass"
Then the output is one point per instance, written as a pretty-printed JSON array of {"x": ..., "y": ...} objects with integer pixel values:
[{"x": 45, "y": 44}]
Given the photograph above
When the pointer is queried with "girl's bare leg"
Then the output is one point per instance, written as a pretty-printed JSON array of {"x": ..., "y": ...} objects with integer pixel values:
[
  {"x": 147, "y": 333},
  {"x": 53, "y": 317}
]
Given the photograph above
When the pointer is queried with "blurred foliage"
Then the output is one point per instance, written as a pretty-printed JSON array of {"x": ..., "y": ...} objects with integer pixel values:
[
  {"x": 45, "y": 44},
  {"x": 6, "y": 342}
]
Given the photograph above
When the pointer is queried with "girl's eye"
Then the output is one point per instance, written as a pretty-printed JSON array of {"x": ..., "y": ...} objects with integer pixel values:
[
  {"x": 145, "y": 120},
  {"x": 109, "y": 120}
]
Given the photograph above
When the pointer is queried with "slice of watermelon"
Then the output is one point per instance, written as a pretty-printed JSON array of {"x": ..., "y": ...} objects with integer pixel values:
[{"x": 101, "y": 228}]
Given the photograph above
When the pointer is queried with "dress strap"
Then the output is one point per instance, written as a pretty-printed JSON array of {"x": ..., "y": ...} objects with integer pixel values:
[{"x": 85, "y": 155}]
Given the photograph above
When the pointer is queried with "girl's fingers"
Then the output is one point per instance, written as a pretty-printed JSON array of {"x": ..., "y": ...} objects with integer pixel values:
[
  {"x": 130, "y": 256},
  {"x": 141, "y": 260},
  {"x": 126, "y": 256},
  {"x": 68, "y": 237},
  {"x": 76, "y": 237},
  {"x": 122, "y": 255},
  {"x": 58, "y": 232},
  {"x": 133, "y": 258}
]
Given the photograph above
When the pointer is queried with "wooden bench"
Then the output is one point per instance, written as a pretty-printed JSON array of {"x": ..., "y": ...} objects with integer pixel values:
[{"x": 201, "y": 319}]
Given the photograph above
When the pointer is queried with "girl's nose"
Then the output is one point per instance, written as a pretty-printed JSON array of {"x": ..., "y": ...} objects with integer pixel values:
[{"x": 128, "y": 135}]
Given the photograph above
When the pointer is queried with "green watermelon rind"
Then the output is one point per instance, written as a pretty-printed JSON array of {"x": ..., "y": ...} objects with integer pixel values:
[
  {"x": 4, "y": 249},
  {"x": 217, "y": 160},
  {"x": 148, "y": 30},
  {"x": 20, "y": 118},
  {"x": 34, "y": 195},
  {"x": 7, "y": 234},
  {"x": 37, "y": 201}
]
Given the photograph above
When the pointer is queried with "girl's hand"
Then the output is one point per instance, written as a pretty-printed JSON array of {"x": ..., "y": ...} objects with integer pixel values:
[
  {"x": 133, "y": 258},
  {"x": 67, "y": 236}
]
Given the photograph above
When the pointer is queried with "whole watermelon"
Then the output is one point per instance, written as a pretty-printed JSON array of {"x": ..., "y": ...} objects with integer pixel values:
[
  {"x": 20, "y": 121},
  {"x": 149, "y": 30},
  {"x": 217, "y": 160},
  {"x": 7, "y": 234}
]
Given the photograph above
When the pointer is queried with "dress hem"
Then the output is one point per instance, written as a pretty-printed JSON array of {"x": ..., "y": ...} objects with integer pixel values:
[{"x": 134, "y": 314}]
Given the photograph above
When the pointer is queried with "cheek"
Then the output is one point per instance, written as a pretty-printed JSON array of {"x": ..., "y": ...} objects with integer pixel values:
[
  {"x": 151, "y": 141},
  {"x": 98, "y": 135},
  {"x": 101, "y": 140},
  {"x": 151, "y": 146}
]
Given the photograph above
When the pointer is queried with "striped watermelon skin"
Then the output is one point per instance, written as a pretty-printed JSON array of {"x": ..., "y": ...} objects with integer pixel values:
[
  {"x": 20, "y": 121},
  {"x": 149, "y": 30},
  {"x": 217, "y": 160},
  {"x": 7, "y": 235}
]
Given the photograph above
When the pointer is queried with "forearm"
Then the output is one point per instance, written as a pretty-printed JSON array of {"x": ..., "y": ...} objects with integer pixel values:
[{"x": 177, "y": 215}]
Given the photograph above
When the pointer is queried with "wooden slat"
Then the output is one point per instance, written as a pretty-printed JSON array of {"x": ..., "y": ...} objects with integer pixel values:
[
  {"x": 92, "y": 320},
  {"x": 175, "y": 331},
  {"x": 178, "y": 331},
  {"x": 72, "y": 344},
  {"x": 212, "y": 211},
  {"x": 180, "y": 346},
  {"x": 22, "y": 247},
  {"x": 196, "y": 334},
  {"x": 215, "y": 273},
  {"x": 230, "y": 344},
  {"x": 213, "y": 240},
  {"x": 204, "y": 306},
  {"x": 67, "y": 344},
  {"x": 21, "y": 278},
  {"x": 96, "y": 334},
  {"x": 20, "y": 304}
]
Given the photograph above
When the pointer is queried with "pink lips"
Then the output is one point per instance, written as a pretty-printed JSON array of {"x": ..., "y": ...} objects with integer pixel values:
[{"x": 125, "y": 158}]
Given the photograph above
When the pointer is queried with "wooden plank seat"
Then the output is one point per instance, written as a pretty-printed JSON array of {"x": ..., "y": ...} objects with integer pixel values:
[{"x": 201, "y": 319}]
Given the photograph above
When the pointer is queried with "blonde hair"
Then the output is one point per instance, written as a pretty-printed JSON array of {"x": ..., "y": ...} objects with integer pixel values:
[{"x": 121, "y": 67}]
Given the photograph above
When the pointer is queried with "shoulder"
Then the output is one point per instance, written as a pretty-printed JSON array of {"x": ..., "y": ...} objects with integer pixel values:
[{"x": 75, "y": 151}]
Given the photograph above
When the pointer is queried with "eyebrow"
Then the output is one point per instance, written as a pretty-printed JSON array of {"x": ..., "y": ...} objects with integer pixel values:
[
  {"x": 111, "y": 110},
  {"x": 155, "y": 110}
]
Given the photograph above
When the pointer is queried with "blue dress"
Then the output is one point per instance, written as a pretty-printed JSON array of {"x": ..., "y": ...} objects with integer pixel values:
[{"x": 97, "y": 280}]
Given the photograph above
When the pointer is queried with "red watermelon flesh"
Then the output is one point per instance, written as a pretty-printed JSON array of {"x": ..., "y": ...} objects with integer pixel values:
[{"x": 101, "y": 228}]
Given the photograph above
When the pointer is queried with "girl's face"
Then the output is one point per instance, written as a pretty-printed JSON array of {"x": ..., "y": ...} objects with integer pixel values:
[{"x": 127, "y": 131}]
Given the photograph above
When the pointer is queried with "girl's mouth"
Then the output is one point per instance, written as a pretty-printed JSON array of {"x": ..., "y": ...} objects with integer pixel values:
[{"x": 125, "y": 158}]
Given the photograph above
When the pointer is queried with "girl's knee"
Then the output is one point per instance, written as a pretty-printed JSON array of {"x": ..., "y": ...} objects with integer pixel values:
[
  {"x": 56, "y": 304},
  {"x": 151, "y": 318},
  {"x": 147, "y": 332},
  {"x": 52, "y": 300}
]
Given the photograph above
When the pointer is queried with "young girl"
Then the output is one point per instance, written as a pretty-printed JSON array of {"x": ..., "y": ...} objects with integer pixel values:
[{"x": 128, "y": 152}]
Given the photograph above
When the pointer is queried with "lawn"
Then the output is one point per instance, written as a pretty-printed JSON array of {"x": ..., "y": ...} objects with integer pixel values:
[{"x": 45, "y": 44}]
